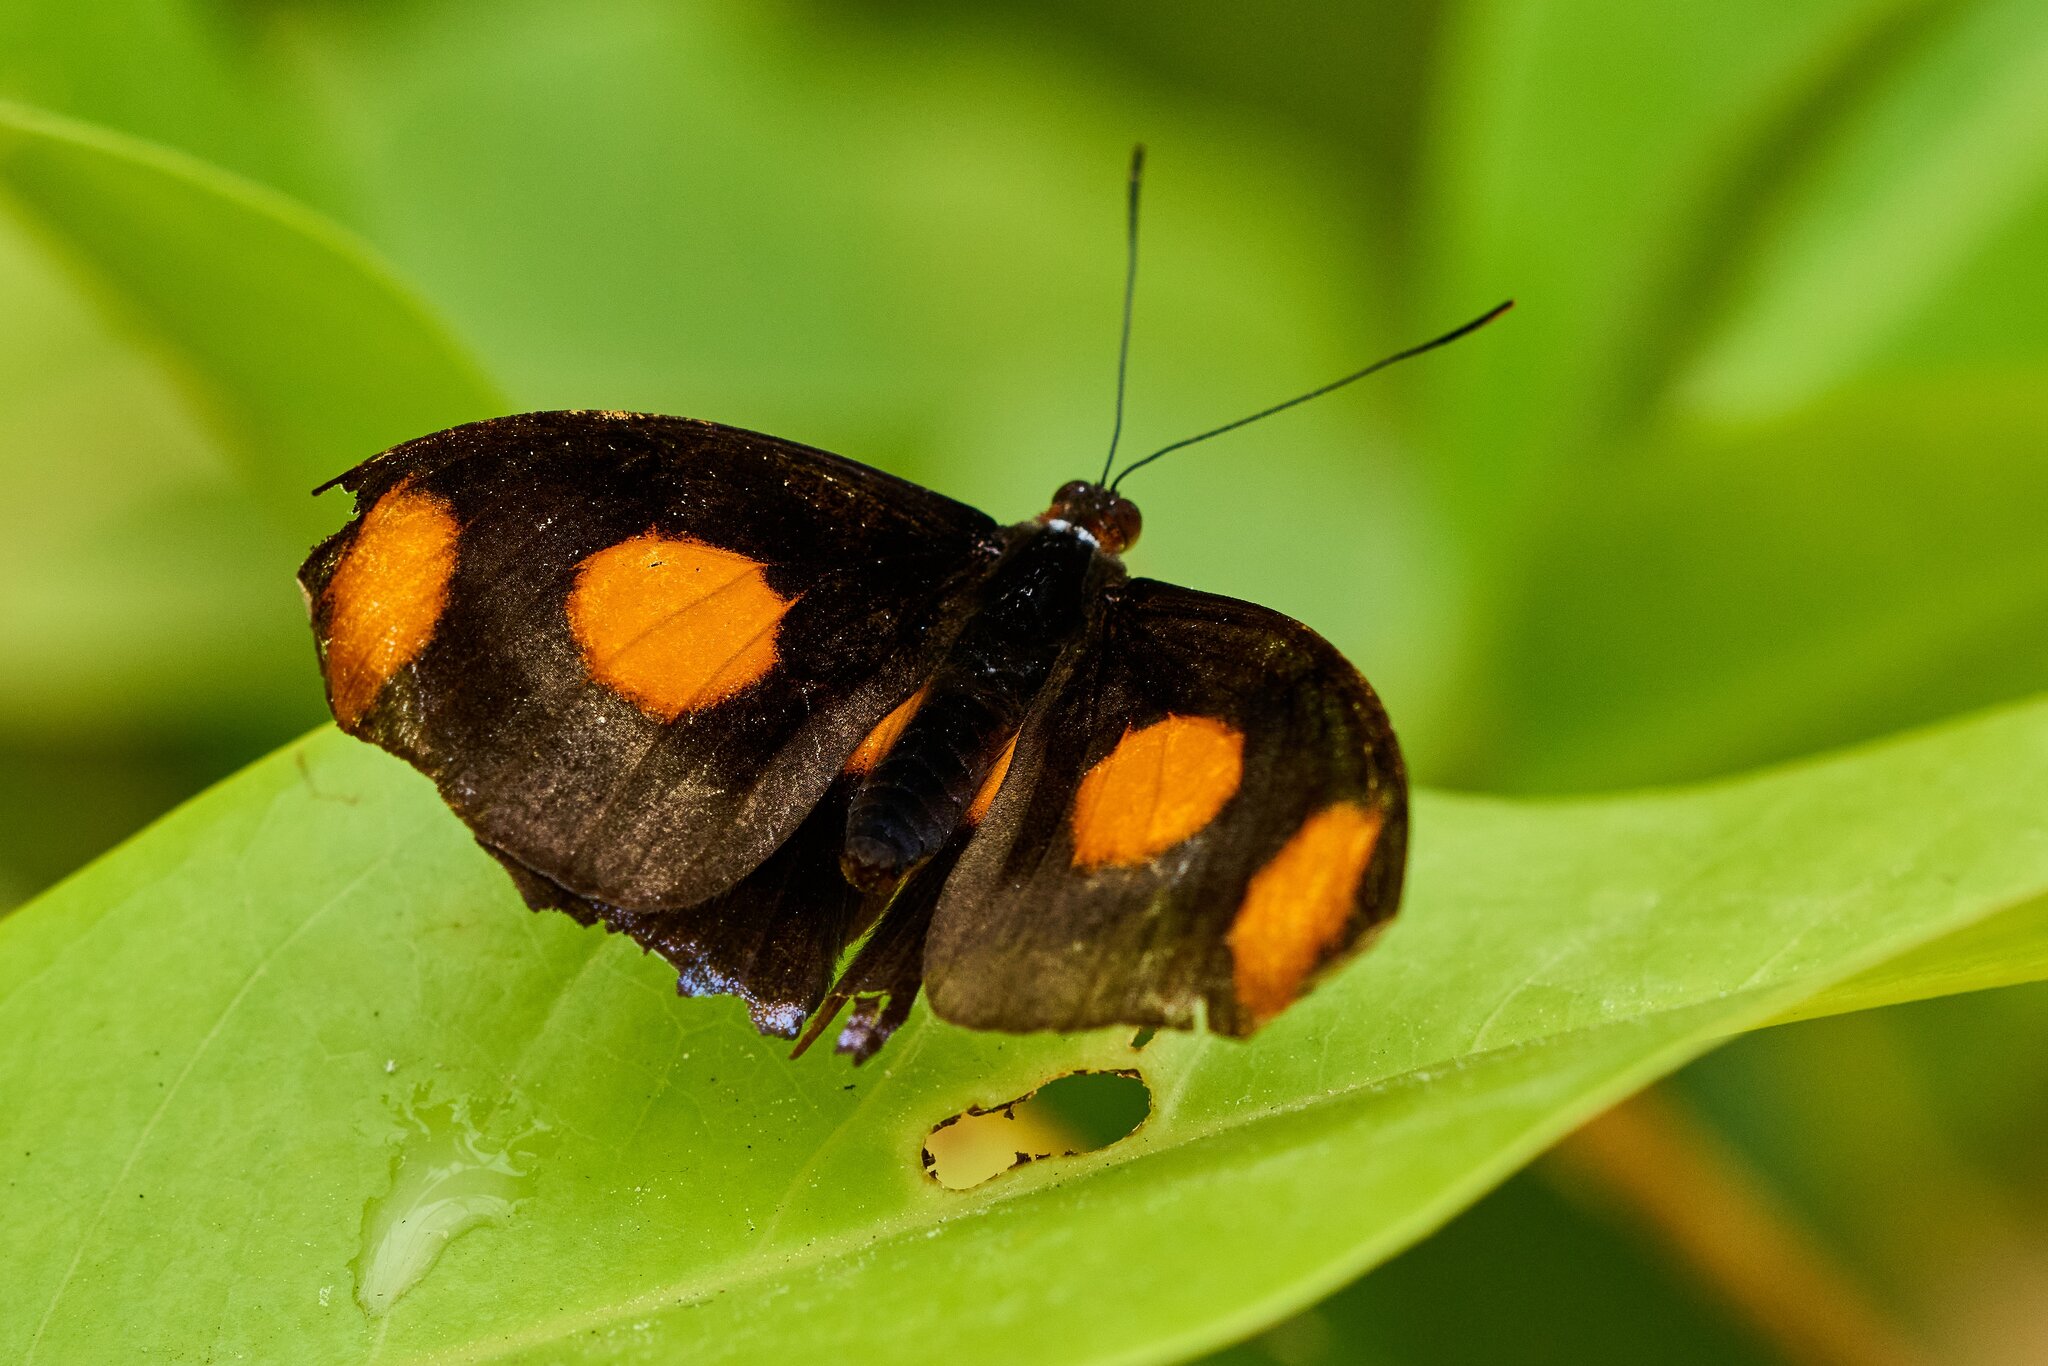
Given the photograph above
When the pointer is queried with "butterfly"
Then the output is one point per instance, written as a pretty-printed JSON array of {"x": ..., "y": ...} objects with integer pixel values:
[{"x": 821, "y": 737}]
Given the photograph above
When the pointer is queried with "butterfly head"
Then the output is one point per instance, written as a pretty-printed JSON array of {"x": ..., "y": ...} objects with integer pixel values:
[{"x": 1107, "y": 516}]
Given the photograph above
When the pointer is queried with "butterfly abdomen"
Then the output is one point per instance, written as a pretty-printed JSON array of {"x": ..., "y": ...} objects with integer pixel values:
[{"x": 922, "y": 789}]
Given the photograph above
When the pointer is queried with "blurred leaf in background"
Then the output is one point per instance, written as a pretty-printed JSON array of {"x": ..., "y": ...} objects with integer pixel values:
[
  {"x": 193, "y": 355},
  {"x": 1754, "y": 470}
]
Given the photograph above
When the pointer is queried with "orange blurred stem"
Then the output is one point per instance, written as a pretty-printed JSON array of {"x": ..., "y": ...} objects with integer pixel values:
[{"x": 1686, "y": 1188}]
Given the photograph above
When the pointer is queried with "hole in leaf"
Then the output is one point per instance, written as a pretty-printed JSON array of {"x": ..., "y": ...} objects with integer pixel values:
[{"x": 1078, "y": 1113}]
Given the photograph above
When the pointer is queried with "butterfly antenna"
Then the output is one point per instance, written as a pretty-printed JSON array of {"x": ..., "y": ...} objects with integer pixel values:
[
  {"x": 1123, "y": 348},
  {"x": 1445, "y": 340}
]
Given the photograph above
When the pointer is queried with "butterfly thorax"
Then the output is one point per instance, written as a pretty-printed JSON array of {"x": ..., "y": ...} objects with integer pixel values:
[{"x": 926, "y": 788}]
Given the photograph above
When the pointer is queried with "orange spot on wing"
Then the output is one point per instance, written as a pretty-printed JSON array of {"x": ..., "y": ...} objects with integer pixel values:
[
  {"x": 1157, "y": 787},
  {"x": 883, "y": 737},
  {"x": 673, "y": 624},
  {"x": 386, "y": 596},
  {"x": 992, "y": 784},
  {"x": 1297, "y": 906}
]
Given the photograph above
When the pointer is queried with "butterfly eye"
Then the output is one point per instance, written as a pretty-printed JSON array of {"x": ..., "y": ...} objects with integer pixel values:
[{"x": 1122, "y": 525}]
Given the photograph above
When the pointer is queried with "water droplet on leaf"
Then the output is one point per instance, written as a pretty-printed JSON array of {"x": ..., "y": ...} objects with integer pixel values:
[{"x": 448, "y": 1176}]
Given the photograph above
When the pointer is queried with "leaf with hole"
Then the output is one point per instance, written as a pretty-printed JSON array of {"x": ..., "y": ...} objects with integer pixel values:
[{"x": 255, "y": 1057}]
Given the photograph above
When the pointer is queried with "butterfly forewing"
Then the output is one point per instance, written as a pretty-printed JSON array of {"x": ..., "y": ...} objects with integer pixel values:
[{"x": 632, "y": 651}]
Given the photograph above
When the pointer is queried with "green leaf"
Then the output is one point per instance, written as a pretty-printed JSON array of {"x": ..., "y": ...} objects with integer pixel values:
[
  {"x": 1603, "y": 224},
  {"x": 1736, "y": 597},
  {"x": 138, "y": 580},
  {"x": 2002, "y": 950},
  {"x": 262, "y": 1062},
  {"x": 1775, "y": 474},
  {"x": 1922, "y": 179},
  {"x": 189, "y": 354},
  {"x": 179, "y": 73},
  {"x": 300, "y": 346},
  {"x": 1560, "y": 1283}
]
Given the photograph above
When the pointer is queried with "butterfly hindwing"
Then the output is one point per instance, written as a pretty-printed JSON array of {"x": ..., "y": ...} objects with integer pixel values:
[
  {"x": 773, "y": 939},
  {"x": 1208, "y": 809},
  {"x": 633, "y": 651}
]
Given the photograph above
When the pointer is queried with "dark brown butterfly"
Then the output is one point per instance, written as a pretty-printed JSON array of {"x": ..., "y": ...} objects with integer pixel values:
[{"x": 758, "y": 706}]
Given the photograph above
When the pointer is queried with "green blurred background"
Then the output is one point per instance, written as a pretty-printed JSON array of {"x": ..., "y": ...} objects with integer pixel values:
[{"x": 1758, "y": 467}]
